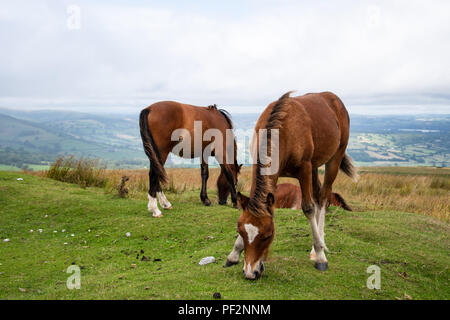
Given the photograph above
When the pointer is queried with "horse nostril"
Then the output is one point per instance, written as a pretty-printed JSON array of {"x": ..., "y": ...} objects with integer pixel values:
[
  {"x": 256, "y": 274},
  {"x": 261, "y": 267}
]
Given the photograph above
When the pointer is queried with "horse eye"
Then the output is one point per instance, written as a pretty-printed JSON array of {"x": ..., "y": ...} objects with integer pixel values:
[{"x": 267, "y": 238}]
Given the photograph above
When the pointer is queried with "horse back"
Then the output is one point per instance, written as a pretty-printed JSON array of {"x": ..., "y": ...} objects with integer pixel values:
[
  {"x": 322, "y": 125},
  {"x": 167, "y": 116}
]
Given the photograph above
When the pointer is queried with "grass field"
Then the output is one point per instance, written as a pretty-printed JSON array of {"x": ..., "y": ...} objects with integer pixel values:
[
  {"x": 423, "y": 190},
  {"x": 411, "y": 249}
]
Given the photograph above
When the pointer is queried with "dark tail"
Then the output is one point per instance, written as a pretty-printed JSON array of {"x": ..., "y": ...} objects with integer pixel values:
[
  {"x": 337, "y": 200},
  {"x": 348, "y": 168},
  {"x": 156, "y": 165}
]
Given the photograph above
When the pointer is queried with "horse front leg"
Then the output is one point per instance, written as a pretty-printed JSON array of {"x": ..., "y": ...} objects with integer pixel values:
[
  {"x": 233, "y": 257},
  {"x": 205, "y": 176},
  {"x": 230, "y": 180}
]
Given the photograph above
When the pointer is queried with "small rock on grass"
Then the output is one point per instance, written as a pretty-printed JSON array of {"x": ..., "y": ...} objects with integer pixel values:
[
  {"x": 217, "y": 295},
  {"x": 207, "y": 260},
  {"x": 22, "y": 290}
]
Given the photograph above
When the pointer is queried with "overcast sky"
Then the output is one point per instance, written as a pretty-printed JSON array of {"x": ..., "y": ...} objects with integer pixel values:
[{"x": 120, "y": 56}]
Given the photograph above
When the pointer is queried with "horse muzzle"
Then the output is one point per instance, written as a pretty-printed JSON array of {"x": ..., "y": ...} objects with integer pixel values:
[{"x": 255, "y": 273}]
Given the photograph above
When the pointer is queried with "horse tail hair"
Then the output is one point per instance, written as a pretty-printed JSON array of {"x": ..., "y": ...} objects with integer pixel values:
[
  {"x": 227, "y": 117},
  {"x": 337, "y": 200},
  {"x": 348, "y": 168},
  {"x": 151, "y": 150}
]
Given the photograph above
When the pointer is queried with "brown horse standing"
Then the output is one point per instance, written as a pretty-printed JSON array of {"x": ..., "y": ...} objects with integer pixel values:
[
  {"x": 157, "y": 123},
  {"x": 316, "y": 132},
  {"x": 288, "y": 195}
]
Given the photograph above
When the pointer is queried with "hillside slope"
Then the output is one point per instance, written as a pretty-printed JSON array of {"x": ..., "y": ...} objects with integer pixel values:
[
  {"x": 42, "y": 141},
  {"x": 411, "y": 250}
]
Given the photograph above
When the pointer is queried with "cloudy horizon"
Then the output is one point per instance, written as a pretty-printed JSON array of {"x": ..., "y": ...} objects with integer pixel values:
[{"x": 380, "y": 57}]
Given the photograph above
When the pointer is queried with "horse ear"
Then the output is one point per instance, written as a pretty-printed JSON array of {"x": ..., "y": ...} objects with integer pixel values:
[
  {"x": 270, "y": 201},
  {"x": 240, "y": 166},
  {"x": 242, "y": 201}
]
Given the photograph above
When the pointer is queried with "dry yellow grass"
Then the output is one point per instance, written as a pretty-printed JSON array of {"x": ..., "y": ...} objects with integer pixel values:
[
  {"x": 420, "y": 190},
  {"x": 425, "y": 191}
]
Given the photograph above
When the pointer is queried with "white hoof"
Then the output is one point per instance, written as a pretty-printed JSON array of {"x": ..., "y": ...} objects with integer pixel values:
[{"x": 157, "y": 214}]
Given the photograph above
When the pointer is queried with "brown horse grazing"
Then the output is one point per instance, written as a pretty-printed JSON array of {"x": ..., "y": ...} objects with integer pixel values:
[
  {"x": 165, "y": 124},
  {"x": 316, "y": 132},
  {"x": 288, "y": 195}
]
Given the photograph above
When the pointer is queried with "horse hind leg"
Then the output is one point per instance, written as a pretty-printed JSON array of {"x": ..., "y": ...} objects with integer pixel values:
[
  {"x": 316, "y": 192},
  {"x": 331, "y": 171},
  {"x": 154, "y": 189},
  {"x": 155, "y": 192},
  {"x": 163, "y": 200},
  {"x": 309, "y": 208}
]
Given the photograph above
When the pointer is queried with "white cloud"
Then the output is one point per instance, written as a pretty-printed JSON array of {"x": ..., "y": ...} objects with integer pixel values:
[{"x": 129, "y": 56}]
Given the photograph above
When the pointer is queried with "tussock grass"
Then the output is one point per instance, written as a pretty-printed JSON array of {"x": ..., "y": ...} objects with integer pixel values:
[
  {"x": 414, "y": 192},
  {"x": 85, "y": 172},
  {"x": 417, "y": 190}
]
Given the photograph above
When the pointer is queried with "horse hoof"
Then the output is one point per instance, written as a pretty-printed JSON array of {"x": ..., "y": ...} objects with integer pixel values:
[
  {"x": 321, "y": 266},
  {"x": 235, "y": 206},
  {"x": 229, "y": 264},
  {"x": 222, "y": 203},
  {"x": 207, "y": 202},
  {"x": 158, "y": 216},
  {"x": 168, "y": 208}
]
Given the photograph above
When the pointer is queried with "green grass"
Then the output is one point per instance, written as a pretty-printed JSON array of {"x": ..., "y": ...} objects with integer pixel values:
[{"x": 410, "y": 249}]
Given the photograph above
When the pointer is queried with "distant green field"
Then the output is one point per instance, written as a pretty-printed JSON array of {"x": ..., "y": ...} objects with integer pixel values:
[
  {"x": 427, "y": 171},
  {"x": 410, "y": 249},
  {"x": 34, "y": 167},
  {"x": 5, "y": 167}
]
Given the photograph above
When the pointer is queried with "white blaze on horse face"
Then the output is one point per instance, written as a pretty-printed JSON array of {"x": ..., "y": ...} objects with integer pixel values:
[
  {"x": 252, "y": 232},
  {"x": 163, "y": 200},
  {"x": 153, "y": 206}
]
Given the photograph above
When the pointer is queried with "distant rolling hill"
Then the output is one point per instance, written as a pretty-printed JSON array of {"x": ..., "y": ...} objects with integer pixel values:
[
  {"x": 39, "y": 137},
  {"x": 35, "y": 138}
]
